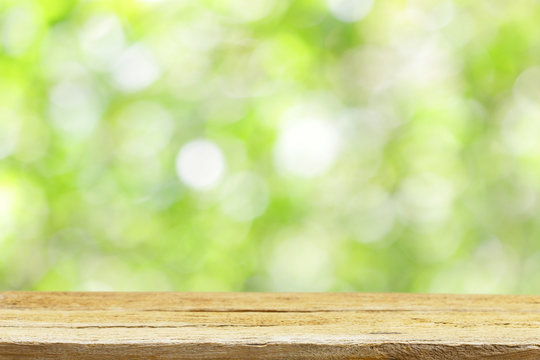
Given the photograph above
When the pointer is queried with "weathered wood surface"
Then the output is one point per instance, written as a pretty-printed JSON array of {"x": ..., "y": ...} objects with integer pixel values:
[{"x": 267, "y": 326}]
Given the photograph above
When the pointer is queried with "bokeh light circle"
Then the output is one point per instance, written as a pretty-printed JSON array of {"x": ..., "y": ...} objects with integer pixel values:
[{"x": 200, "y": 164}]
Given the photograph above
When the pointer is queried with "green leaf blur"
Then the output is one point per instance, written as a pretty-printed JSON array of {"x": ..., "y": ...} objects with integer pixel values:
[{"x": 270, "y": 145}]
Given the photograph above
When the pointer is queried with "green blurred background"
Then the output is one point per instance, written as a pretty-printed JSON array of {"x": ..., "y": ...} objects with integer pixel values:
[{"x": 270, "y": 145}]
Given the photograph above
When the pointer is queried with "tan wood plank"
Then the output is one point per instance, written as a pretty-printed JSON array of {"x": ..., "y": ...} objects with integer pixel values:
[{"x": 216, "y": 326}]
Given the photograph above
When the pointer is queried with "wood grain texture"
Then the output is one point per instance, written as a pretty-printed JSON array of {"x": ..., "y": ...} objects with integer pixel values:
[{"x": 267, "y": 326}]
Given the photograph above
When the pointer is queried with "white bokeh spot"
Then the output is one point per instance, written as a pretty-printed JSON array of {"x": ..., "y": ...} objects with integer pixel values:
[
  {"x": 306, "y": 147},
  {"x": 200, "y": 164},
  {"x": 135, "y": 69}
]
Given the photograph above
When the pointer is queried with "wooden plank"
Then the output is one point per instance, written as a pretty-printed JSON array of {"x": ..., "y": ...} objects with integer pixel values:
[{"x": 268, "y": 326}]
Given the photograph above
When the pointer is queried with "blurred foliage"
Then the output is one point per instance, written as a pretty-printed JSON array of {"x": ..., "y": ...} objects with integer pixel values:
[{"x": 270, "y": 145}]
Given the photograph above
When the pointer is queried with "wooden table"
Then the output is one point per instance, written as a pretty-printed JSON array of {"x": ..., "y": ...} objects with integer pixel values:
[{"x": 35, "y": 325}]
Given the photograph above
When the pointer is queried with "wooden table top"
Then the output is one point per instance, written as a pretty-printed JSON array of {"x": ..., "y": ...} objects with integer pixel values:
[{"x": 39, "y": 325}]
